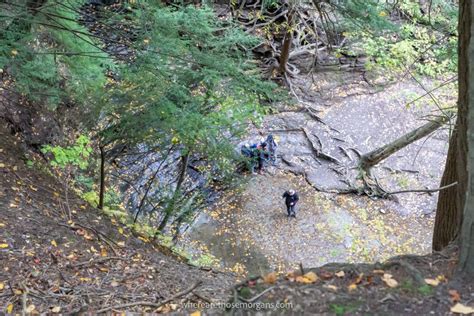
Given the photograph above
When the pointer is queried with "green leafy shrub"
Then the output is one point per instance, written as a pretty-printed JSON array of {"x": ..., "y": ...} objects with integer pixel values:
[
  {"x": 76, "y": 155},
  {"x": 91, "y": 197}
]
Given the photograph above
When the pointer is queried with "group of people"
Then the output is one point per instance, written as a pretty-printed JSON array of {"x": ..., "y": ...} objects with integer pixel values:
[{"x": 259, "y": 155}]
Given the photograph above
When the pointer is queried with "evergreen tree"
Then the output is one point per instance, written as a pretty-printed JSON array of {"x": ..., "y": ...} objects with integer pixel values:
[
  {"x": 191, "y": 87},
  {"x": 49, "y": 55}
]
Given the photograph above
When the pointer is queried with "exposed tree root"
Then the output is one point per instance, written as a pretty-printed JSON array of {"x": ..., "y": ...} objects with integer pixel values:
[
  {"x": 318, "y": 151},
  {"x": 410, "y": 269},
  {"x": 344, "y": 151}
]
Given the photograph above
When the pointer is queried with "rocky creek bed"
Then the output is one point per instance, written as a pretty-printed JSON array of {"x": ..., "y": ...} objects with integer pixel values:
[{"x": 338, "y": 116}]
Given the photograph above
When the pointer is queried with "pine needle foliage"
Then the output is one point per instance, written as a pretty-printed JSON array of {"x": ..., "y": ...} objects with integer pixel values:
[
  {"x": 191, "y": 85},
  {"x": 51, "y": 57}
]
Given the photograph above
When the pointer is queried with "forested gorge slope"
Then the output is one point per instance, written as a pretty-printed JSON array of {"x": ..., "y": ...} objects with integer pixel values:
[
  {"x": 88, "y": 261},
  {"x": 122, "y": 122}
]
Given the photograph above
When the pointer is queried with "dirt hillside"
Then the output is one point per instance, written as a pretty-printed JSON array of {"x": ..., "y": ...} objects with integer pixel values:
[{"x": 89, "y": 263}]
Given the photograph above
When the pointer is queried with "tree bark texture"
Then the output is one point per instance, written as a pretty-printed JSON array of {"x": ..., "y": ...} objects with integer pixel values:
[
  {"x": 448, "y": 215},
  {"x": 466, "y": 137},
  {"x": 285, "y": 50}
]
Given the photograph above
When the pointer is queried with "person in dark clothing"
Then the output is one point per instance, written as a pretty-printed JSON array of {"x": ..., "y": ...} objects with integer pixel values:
[
  {"x": 261, "y": 156},
  {"x": 272, "y": 146},
  {"x": 258, "y": 156},
  {"x": 246, "y": 151},
  {"x": 291, "y": 198},
  {"x": 250, "y": 151}
]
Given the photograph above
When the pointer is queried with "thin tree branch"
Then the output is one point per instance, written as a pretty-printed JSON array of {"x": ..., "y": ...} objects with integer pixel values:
[{"x": 424, "y": 190}]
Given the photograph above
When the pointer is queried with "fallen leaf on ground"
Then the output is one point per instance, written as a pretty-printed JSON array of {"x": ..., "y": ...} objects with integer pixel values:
[
  {"x": 270, "y": 278},
  {"x": 2, "y": 286},
  {"x": 56, "y": 309},
  {"x": 103, "y": 252},
  {"x": 308, "y": 278},
  {"x": 359, "y": 278},
  {"x": 87, "y": 236},
  {"x": 387, "y": 278},
  {"x": 121, "y": 243},
  {"x": 455, "y": 296},
  {"x": 30, "y": 308},
  {"x": 114, "y": 284},
  {"x": 290, "y": 276},
  {"x": 441, "y": 278},
  {"x": 173, "y": 306},
  {"x": 311, "y": 276},
  {"x": 370, "y": 279},
  {"x": 462, "y": 309},
  {"x": 340, "y": 274},
  {"x": 196, "y": 313},
  {"x": 9, "y": 308},
  {"x": 432, "y": 282},
  {"x": 71, "y": 256},
  {"x": 352, "y": 287},
  {"x": 53, "y": 242},
  {"x": 143, "y": 239},
  {"x": 3, "y": 246}
]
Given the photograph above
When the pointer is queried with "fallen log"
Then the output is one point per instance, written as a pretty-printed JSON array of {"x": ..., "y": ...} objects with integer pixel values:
[{"x": 367, "y": 161}]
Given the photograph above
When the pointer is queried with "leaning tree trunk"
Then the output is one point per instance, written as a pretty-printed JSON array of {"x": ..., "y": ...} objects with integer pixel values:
[
  {"x": 466, "y": 137},
  {"x": 372, "y": 158},
  {"x": 448, "y": 215},
  {"x": 285, "y": 50},
  {"x": 170, "y": 207}
]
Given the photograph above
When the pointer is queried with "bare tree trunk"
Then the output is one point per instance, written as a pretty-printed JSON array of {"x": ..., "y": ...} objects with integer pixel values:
[
  {"x": 285, "y": 50},
  {"x": 448, "y": 215},
  {"x": 102, "y": 177},
  {"x": 66, "y": 192},
  {"x": 466, "y": 137},
  {"x": 372, "y": 158},
  {"x": 150, "y": 184},
  {"x": 177, "y": 191},
  {"x": 142, "y": 201}
]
